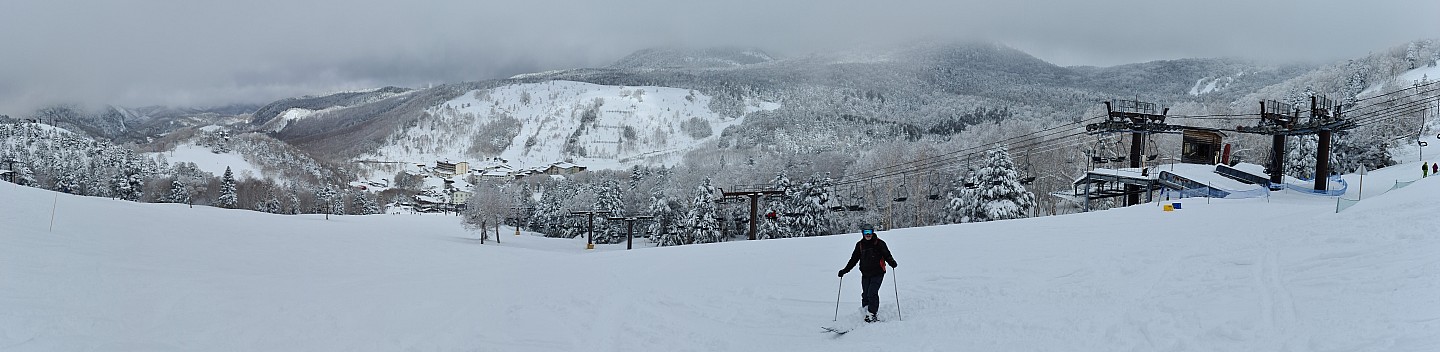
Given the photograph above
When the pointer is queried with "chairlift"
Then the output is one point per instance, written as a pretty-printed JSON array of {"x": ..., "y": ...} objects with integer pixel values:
[
  {"x": 1105, "y": 152},
  {"x": 901, "y": 193},
  {"x": 1029, "y": 174},
  {"x": 857, "y": 198},
  {"x": 1151, "y": 151},
  {"x": 849, "y": 201},
  {"x": 933, "y": 186}
]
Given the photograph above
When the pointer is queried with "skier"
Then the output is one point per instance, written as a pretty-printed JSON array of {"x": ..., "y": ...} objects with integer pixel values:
[
  {"x": 872, "y": 254},
  {"x": 1435, "y": 168}
]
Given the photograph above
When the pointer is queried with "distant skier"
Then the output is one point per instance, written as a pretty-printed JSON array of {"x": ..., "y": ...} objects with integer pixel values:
[
  {"x": 1435, "y": 168},
  {"x": 872, "y": 254}
]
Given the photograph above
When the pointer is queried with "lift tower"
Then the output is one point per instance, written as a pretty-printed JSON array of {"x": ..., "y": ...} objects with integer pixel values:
[
  {"x": 1279, "y": 120},
  {"x": 1138, "y": 118}
]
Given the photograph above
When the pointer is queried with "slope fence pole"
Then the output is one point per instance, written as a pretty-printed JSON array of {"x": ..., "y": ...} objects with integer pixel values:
[{"x": 54, "y": 204}]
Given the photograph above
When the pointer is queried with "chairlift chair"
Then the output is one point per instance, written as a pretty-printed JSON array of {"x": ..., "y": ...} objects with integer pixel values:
[
  {"x": 1029, "y": 174},
  {"x": 901, "y": 193},
  {"x": 932, "y": 187},
  {"x": 850, "y": 201},
  {"x": 1151, "y": 151}
]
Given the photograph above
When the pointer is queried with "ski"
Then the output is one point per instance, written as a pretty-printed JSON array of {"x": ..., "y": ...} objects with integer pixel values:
[{"x": 837, "y": 332}]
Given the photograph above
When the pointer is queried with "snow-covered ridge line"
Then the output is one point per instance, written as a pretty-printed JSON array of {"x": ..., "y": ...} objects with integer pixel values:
[{"x": 589, "y": 124}]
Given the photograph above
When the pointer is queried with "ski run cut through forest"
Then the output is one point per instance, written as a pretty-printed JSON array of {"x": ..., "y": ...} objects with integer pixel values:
[{"x": 1279, "y": 273}]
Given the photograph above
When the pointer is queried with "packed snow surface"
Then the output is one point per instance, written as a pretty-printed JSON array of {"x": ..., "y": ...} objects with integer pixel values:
[
  {"x": 214, "y": 163},
  {"x": 1283, "y": 273}
]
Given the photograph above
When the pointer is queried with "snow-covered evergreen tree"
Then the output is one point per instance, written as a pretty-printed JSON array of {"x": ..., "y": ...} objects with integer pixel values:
[
  {"x": 337, "y": 204},
  {"x": 24, "y": 176},
  {"x": 525, "y": 205},
  {"x": 662, "y": 211},
  {"x": 661, "y": 206},
  {"x": 805, "y": 211},
  {"x": 325, "y": 200},
  {"x": 227, "y": 198},
  {"x": 365, "y": 204},
  {"x": 294, "y": 197},
  {"x": 135, "y": 187},
  {"x": 1356, "y": 82},
  {"x": 1300, "y": 156},
  {"x": 961, "y": 201},
  {"x": 999, "y": 194},
  {"x": 66, "y": 182},
  {"x": 552, "y": 218},
  {"x": 271, "y": 203},
  {"x": 608, "y": 196},
  {"x": 126, "y": 183},
  {"x": 772, "y": 212},
  {"x": 699, "y": 224},
  {"x": 179, "y": 193},
  {"x": 1357, "y": 148}
]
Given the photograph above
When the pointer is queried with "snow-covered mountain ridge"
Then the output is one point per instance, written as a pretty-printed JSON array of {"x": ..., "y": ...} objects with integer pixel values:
[{"x": 538, "y": 123}]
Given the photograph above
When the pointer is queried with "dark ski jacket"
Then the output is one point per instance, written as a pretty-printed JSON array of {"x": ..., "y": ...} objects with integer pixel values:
[{"x": 872, "y": 256}]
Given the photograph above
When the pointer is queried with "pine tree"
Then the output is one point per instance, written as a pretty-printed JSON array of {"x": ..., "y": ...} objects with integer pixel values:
[
  {"x": 551, "y": 218},
  {"x": 337, "y": 204},
  {"x": 271, "y": 204},
  {"x": 227, "y": 198},
  {"x": 698, "y": 224},
  {"x": 1000, "y": 195},
  {"x": 365, "y": 204},
  {"x": 179, "y": 193},
  {"x": 1300, "y": 156},
  {"x": 66, "y": 182},
  {"x": 608, "y": 196},
  {"x": 525, "y": 202},
  {"x": 135, "y": 187},
  {"x": 1355, "y": 83},
  {"x": 294, "y": 201},
  {"x": 325, "y": 200},
  {"x": 775, "y": 227},
  {"x": 1356, "y": 148},
  {"x": 120, "y": 186},
  {"x": 661, "y": 206},
  {"x": 962, "y": 199},
  {"x": 664, "y": 215},
  {"x": 804, "y": 209}
]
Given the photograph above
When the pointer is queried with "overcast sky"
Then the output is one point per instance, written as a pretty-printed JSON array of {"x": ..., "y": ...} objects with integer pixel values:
[{"x": 203, "y": 53}]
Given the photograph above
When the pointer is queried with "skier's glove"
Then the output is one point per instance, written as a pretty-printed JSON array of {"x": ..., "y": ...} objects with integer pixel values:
[{"x": 842, "y": 273}]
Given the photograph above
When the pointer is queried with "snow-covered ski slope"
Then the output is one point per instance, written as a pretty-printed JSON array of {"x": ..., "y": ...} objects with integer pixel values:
[{"x": 1280, "y": 274}]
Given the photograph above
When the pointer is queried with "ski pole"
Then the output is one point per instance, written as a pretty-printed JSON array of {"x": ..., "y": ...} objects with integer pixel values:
[
  {"x": 837, "y": 299},
  {"x": 896, "y": 285}
]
